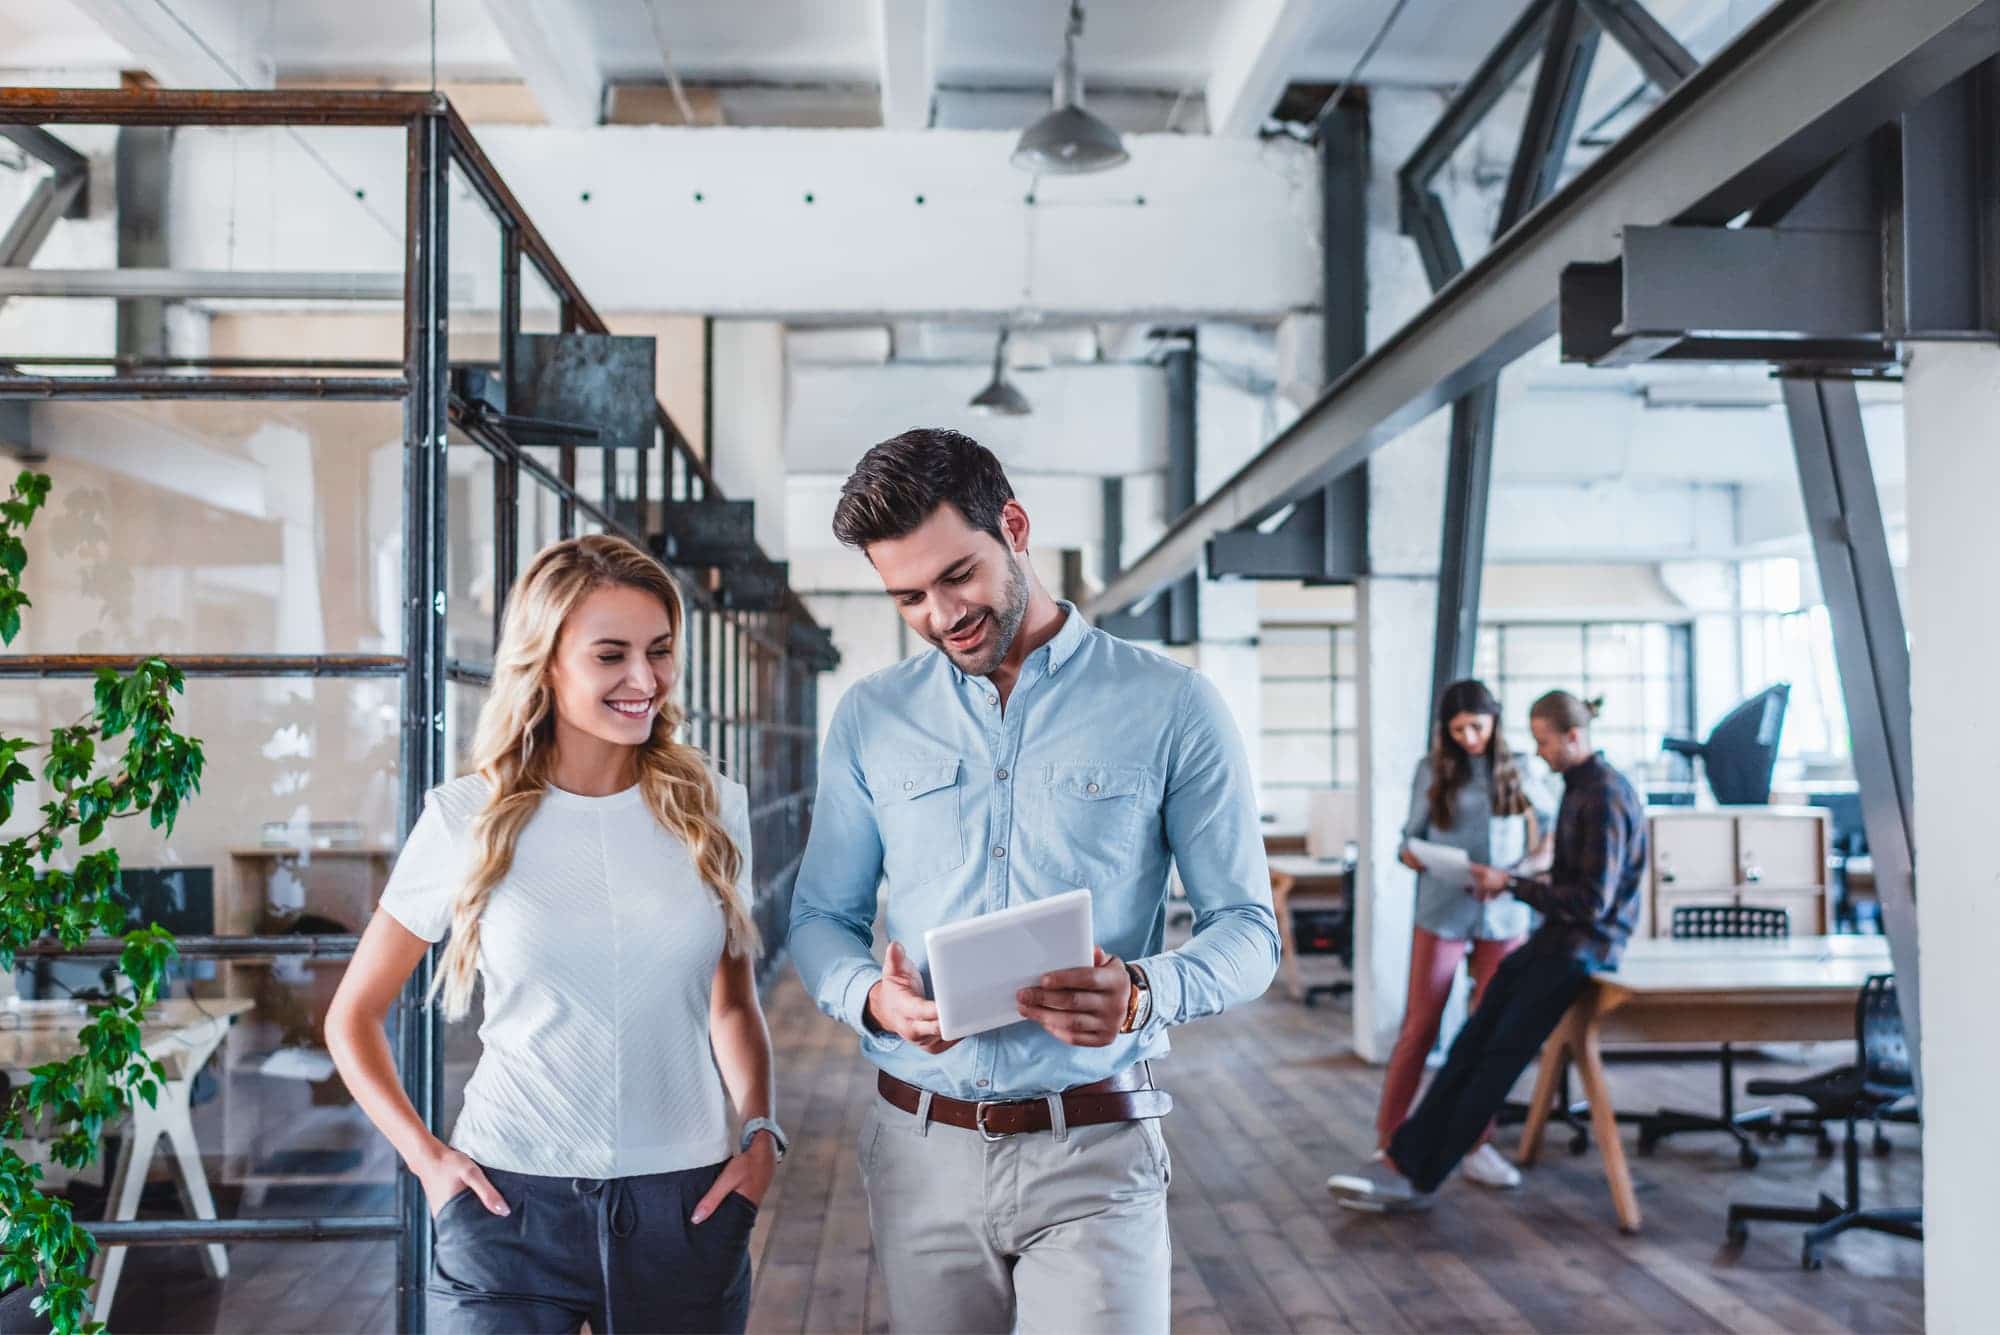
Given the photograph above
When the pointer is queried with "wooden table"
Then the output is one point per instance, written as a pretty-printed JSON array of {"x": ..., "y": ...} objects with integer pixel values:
[
  {"x": 1794, "y": 990},
  {"x": 179, "y": 1034},
  {"x": 1294, "y": 874}
]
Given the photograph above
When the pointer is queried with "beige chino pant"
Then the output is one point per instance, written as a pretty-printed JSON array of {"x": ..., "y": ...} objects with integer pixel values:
[{"x": 1043, "y": 1232}]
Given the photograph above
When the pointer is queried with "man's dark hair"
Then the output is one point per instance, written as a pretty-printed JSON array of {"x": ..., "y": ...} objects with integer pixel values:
[{"x": 901, "y": 482}]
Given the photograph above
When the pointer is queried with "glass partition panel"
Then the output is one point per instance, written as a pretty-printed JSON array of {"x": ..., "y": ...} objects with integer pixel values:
[
  {"x": 472, "y": 250},
  {"x": 470, "y": 595},
  {"x": 277, "y": 251},
  {"x": 293, "y": 831},
  {"x": 209, "y": 527}
]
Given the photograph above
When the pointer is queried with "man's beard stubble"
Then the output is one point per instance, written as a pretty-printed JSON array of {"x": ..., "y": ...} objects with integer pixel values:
[{"x": 1006, "y": 625}]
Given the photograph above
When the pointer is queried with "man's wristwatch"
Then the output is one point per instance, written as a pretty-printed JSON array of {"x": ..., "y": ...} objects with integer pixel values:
[
  {"x": 1139, "y": 1004},
  {"x": 756, "y": 1124}
]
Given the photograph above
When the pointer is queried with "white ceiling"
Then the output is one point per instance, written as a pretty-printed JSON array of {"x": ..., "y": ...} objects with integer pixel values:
[{"x": 1158, "y": 45}]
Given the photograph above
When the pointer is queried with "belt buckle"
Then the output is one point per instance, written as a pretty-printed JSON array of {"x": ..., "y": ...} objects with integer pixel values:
[{"x": 979, "y": 1119}]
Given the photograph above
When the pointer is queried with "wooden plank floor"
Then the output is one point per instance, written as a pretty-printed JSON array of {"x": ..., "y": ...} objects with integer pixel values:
[{"x": 1266, "y": 1107}]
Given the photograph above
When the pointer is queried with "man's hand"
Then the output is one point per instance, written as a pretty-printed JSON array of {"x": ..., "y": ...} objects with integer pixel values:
[
  {"x": 898, "y": 1005},
  {"x": 1410, "y": 860},
  {"x": 1082, "y": 1007},
  {"x": 1487, "y": 882}
]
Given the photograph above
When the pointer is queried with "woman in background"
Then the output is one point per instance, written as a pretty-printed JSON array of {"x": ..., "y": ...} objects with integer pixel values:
[{"x": 1469, "y": 794}]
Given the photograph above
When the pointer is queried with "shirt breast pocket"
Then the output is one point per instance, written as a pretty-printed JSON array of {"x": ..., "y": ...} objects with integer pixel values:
[
  {"x": 1085, "y": 821},
  {"x": 923, "y": 830}
]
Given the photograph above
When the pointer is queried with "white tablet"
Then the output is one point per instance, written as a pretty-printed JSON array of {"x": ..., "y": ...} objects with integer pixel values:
[{"x": 979, "y": 964}]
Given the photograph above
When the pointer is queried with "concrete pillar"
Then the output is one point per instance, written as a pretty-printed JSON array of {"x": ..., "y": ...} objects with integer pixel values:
[
  {"x": 747, "y": 453},
  {"x": 1395, "y": 613},
  {"x": 1230, "y": 428},
  {"x": 1951, "y": 398},
  {"x": 1396, "y": 606}
]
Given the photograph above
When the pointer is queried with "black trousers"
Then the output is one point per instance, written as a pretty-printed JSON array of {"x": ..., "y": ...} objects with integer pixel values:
[
  {"x": 619, "y": 1253},
  {"x": 1529, "y": 993}
]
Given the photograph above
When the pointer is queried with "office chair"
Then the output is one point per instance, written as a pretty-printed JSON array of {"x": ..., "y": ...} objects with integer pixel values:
[
  {"x": 1720, "y": 922},
  {"x": 1880, "y": 1077}
]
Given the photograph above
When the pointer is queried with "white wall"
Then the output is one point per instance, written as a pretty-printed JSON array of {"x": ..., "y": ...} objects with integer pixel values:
[{"x": 747, "y": 455}]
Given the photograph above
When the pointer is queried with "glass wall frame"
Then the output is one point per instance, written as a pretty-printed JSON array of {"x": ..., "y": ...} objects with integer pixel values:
[{"x": 747, "y": 673}]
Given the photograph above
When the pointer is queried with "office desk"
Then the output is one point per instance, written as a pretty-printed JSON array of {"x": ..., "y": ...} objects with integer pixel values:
[
  {"x": 180, "y": 1035},
  {"x": 1795, "y": 990},
  {"x": 1293, "y": 875}
]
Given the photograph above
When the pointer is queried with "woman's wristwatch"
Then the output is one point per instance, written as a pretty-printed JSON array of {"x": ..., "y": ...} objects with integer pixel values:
[{"x": 756, "y": 1124}]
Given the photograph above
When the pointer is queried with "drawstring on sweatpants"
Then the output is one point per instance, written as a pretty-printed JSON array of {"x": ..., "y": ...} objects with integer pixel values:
[{"x": 616, "y": 1218}]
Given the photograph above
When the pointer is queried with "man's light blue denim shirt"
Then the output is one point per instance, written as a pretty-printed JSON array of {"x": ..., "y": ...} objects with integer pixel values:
[{"x": 1109, "y": 765}]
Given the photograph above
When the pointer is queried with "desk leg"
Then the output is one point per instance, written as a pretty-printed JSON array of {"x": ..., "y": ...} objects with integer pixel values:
[
  {"x": 135, "y": 1159},
  {"x": 1604, "y": 1126},
  {"x": 195, "y": 1197},
  {"x": 1548, "y": 1076}
]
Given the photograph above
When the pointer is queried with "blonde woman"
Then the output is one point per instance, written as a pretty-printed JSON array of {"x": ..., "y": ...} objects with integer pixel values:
[{"x": 594, "y": 874}]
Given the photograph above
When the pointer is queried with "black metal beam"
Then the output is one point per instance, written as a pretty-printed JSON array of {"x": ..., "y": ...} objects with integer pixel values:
[
  {"x": 1803, "y": 82},
  {"x": 1462, "y": 556},
  {"x": 1569, "y": 49},
  {"x": 1857, "y": 580},
  {"x": 207, "y": 665},
  {"x": 1478, "y": 94},
  {"x": 1943, "y": 242},
  {"x": 333, "y": 947},
  {"x": 1567, "y": 55},
  {"x": 177, "y": 1232},
  {"x": 425, "y": 491},
  {"x": 1662, "y": 59}
]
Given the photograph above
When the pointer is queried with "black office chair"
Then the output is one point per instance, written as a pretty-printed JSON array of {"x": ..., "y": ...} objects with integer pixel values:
[
  {"x": 1720, "y": 922},
  {"x": 1879, "y": 1079}
]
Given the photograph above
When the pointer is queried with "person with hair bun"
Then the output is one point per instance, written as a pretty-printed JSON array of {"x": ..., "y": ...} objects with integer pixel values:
[
  {"x": 594, "y": 872},
  {"x": 1589, "y": 901},
  {"x": 1468, "y": 793}
]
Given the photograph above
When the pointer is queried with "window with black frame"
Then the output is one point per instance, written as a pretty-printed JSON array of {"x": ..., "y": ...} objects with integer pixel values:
[{"x": 1643, "y": 670}]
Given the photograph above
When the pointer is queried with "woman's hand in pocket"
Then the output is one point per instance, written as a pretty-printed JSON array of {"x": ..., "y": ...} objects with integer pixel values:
[
  {"x": 447, "y": 1172},
  {"x": 747, "y": 1174}
]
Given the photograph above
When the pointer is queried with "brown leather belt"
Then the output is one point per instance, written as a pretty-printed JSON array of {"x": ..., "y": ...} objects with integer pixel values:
[{"x": 1129, "y": 1096}]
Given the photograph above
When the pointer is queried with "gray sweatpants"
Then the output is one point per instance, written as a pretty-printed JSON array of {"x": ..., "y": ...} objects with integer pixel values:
[
  {"x": 617, "y": 1252},
  {"x": 1033, "y": 1232}
]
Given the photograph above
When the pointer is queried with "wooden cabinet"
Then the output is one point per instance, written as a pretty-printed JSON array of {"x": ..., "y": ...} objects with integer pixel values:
[{"x": 1773, "y": 857}]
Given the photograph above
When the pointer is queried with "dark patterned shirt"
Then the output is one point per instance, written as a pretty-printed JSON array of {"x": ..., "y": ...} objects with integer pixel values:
[{"x": 1589, "y": 900}]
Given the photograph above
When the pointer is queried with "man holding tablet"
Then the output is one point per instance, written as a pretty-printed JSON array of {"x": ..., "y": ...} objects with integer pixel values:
[{"x": 1017, "y": 1177}]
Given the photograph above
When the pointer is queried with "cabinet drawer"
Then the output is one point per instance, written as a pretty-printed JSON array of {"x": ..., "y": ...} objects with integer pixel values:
[
  {"x": 1780, "y": 850},
  {"x": 1694, "y": 851}
]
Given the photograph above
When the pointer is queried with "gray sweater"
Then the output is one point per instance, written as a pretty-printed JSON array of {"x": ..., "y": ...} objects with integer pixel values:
[{"x": 1448, "y": 910}]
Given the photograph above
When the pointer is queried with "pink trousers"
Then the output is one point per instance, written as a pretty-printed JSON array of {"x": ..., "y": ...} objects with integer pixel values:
[{"x": 1433, "y": 964}]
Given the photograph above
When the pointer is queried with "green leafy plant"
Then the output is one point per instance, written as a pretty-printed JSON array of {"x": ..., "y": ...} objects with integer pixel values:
[{"x": 74, "y": 1099}]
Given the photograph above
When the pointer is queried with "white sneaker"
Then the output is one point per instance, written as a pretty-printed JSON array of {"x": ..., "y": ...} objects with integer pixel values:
[
  {"x": 1378, "y": 1188},
  {"x": 1489, "y": 1168}
]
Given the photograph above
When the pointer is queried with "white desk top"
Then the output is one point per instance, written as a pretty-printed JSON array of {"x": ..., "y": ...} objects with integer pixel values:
[
  {"x": 1305, "y": 868},
  {"x": 1786, "y": 964},
  {"x": 52, "y": 1037}
]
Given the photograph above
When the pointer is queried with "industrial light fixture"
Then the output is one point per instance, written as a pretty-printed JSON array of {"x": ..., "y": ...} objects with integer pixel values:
[
  {"x": 1069, "y": 140},
  {"x": 1001, "y": 398}
]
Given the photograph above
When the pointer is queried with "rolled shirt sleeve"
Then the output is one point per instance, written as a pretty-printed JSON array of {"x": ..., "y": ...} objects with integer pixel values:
[
  {"x": 1211, "y": 822},
  {"x": 833, "y": 904}
]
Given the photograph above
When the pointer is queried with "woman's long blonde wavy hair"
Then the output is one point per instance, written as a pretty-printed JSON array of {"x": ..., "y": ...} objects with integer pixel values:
[{"x": 514, "y": 747}]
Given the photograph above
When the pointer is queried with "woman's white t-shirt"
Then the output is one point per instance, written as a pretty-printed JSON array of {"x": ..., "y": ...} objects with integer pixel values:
[{"x": 598, "y": 951}]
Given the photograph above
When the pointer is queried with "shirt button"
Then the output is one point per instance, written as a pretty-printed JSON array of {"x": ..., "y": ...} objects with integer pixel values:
[
  {"x": 1090, "y": 788},
  {"x": 1000, "y": 774},
  {"x": 992, "y": 699},
  {"x": 909, "y": 784},
  {"x": 999, "y": 852},
  {"x": 982, "y": 1083}
]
